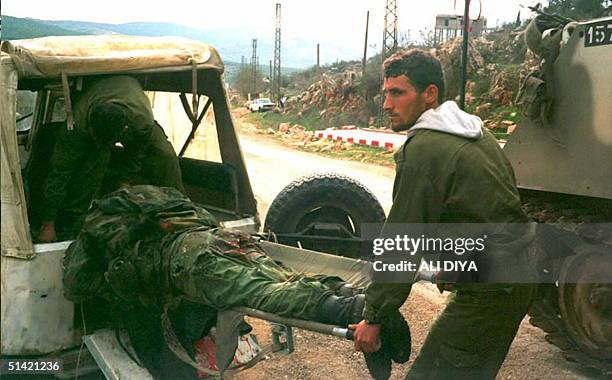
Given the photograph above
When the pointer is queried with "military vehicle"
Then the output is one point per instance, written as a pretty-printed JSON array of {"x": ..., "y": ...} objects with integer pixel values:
[
  {"x": 562, "y": 156},
  {"x": 184, "y": 81}
]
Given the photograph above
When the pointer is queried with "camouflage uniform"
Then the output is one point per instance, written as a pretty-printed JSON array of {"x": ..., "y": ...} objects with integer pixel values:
[
  {"x": 443, "y": 178},
  {"x": 223, "y": 268},
  {"x": 79, "y": 165},
  {"x": 151, "y": 245}
]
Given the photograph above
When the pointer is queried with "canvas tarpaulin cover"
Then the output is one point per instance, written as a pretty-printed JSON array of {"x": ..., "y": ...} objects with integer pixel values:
[
  {"x": 85, "y": 55},
  {"x": 16, "y": 241}
]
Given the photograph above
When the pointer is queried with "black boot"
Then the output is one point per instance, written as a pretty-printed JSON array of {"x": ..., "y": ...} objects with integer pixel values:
[
  {"x": 341, "y": 311},
  {"x": 379, "y": 364},
  {"x": 395, "y": 338},
  {"x": 395, "y": 345}
]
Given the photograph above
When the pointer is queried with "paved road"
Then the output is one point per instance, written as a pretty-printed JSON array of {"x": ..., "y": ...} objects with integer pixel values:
[{"x": 272, "y": 166}]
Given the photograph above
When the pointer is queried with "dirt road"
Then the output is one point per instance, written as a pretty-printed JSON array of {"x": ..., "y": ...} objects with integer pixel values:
[{"x": 271, "y": 166}]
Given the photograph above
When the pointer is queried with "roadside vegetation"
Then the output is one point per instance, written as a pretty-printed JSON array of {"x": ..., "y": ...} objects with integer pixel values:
[
  {"x": 297, "y": 136},
  {"x": 343, "y": 93}
]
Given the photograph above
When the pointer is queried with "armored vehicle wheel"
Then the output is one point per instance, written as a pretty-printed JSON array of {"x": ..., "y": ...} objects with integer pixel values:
[
  {"x": 585, "y": 304},
  {"x": 330, "y": 202},
  {"x": 575, "y": 314}
]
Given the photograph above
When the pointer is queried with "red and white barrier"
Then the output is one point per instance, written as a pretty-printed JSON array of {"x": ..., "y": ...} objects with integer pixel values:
[
  {"x": 371, "y": 137},
  {"x": 364, "y": 136}
]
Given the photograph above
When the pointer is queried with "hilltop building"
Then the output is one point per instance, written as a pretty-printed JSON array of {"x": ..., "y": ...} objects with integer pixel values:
[{"x": 451, "y": 26}]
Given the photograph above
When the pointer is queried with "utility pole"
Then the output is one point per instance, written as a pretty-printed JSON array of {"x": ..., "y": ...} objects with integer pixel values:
[
  {"x": 464, "y": 53},
  {"x": 390, "y": 29},
  {"x": 270, "y": 77},
  {"x": 365, "y": 47},
  {"x": 389, "y": 46},
  {"x": 276, "y": 72},
  {"x": 254, "y": 67},
  {"x": 318, "y": 56}
]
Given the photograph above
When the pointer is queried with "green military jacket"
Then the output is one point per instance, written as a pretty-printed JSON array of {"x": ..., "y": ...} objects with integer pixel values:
[
  {"x": 443, "y": 178},
  {"x": 78, "y": 165}
]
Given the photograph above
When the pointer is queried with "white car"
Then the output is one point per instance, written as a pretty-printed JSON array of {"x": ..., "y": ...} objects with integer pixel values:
[{"x": 261, "y": 105}]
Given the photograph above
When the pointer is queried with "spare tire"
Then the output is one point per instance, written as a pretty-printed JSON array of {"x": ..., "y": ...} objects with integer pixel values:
[{"x": 323, "y": 198}]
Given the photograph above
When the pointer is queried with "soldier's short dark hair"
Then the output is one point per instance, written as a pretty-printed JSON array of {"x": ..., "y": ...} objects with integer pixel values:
[
  {"x": 421, "y": 68},
  {"x": 106, "y": 121}
]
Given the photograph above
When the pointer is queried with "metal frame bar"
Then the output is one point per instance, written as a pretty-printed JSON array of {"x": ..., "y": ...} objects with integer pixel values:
[
  {"x": 195, "y": 122},
  {"x": 322, "y": 328}
]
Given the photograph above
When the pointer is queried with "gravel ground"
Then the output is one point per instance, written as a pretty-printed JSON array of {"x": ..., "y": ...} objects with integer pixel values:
[{"x": 318, "y": 356}]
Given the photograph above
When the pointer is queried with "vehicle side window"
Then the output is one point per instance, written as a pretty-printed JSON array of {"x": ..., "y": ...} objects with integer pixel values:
[
  {"x": 59, "y": 110},
  {"x": 25, "y": 106},
  {"x": 26, "y": 101},
  {"x": 169, "y": 113}
]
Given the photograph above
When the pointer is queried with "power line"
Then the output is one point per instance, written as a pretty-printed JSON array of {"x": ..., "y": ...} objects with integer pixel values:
[
  {"x": 254, "y": 67},
  {"x": 389, "y": 45},
  {"x": 390, "y": 29},
  {"x": 464, "y": 53},
  {"x": 365, "y": 46},
  {"x": 276, "y": 75}
]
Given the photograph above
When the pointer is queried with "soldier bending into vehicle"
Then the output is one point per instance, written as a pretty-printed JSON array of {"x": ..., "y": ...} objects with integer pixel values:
[{"x": 86, "y": 161}]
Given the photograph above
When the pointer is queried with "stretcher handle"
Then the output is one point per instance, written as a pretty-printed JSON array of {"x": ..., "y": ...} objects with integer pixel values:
[
  {"x": 322, "y": 328},
  {"x": 350, "y": 334}
]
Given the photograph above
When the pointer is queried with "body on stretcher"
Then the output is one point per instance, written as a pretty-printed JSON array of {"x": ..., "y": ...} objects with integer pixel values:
[{"x": 227, "y": 336}]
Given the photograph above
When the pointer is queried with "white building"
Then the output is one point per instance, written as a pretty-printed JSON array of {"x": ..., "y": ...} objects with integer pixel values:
[{"x": 451, "y": 26}]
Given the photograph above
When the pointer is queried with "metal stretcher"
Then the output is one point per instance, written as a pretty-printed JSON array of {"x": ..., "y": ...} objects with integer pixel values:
[{"x": 117, "y": 364}]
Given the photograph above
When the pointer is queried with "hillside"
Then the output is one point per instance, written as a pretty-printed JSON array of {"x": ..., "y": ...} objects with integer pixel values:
[
  {"x": 232, "y": 43},
  {"x": 226, "y": 42},
  {"x": 338, "y": 95},
  {"x": 14, "y": 28}
]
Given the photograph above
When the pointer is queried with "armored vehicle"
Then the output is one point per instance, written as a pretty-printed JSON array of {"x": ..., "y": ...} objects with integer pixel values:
[{"x": 562, "y": 156}]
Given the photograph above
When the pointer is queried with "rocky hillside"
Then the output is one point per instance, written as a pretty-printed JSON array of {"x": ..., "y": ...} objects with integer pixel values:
[
  {"x": 497, "y": 64},
  {"x": 333, "y": 99}
]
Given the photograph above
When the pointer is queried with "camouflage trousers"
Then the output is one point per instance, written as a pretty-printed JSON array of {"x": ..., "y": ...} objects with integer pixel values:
[
  {"x": 224, "y": 269},
  {"x": 471, "y": 338}
]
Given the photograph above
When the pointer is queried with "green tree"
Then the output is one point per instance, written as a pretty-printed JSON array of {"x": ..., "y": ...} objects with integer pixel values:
[
  {"x": 372, "y": 81},
  {"x": 244, "y": 81},
  {"x": 427, "y": 39},
  {"x": 578, "y": 9},
  {"x": 285, "y": 80}
]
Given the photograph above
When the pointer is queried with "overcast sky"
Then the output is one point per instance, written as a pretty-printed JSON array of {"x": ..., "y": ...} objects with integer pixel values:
[{"x": 326, "y": 21}]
